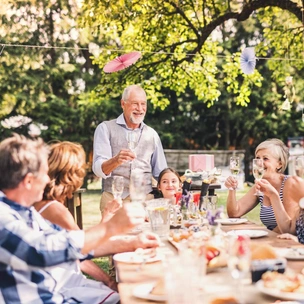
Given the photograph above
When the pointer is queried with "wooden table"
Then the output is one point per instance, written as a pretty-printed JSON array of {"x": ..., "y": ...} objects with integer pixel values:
[{"x": 129, "y": 277}]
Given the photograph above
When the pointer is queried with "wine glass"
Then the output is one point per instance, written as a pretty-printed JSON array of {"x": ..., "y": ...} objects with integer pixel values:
[
  {"x": 132, "y": 138},
  {"x": 258, "y": 172},
  {"x": 234, "y": 167},
  {"x": 137, "y": 190},
  {"x": 239, "y": 260},
  {"x": 117, "y": 186},
  {"x": 299, "y": 166}
]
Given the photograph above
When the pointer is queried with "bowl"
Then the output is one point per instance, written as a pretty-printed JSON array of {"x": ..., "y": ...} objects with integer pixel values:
[{"x": 258, "y": 267}]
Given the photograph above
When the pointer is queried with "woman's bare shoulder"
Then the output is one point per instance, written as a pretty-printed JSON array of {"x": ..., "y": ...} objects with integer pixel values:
[
  {"x": 294, "y": 181},
  {"x": 294, "y": 187}
]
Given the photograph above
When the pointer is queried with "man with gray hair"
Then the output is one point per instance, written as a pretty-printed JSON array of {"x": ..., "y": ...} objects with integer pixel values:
[
  {"x": 111, "y": 155},
  {"x": 31, "y": 249}
]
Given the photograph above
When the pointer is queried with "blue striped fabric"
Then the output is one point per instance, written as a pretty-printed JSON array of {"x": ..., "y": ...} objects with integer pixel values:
[
  {"x": 267, "y": 216},
  {"x": 28, "y": 250}
]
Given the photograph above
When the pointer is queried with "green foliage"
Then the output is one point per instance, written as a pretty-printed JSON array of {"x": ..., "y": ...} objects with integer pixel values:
[
  {"x": 179, "y": 53},
  {"x": 190, "y": 68}
]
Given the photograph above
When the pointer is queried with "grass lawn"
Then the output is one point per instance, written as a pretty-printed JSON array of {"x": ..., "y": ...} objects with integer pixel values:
[{"x": 91, "y": 213}]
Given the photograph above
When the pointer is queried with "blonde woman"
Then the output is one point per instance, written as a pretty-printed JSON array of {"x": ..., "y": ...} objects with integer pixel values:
[{"x": 279, "y": 208}]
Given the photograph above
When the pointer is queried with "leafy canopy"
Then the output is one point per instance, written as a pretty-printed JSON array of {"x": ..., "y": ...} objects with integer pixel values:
[{"x": 183, "y": 46}]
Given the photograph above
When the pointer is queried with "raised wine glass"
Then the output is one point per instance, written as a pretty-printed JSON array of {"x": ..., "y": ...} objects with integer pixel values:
[
  {"x": 234, "y": 167},
  {"x": 132, "y": 138},
  {"x": 117, "y": 186},
  {"x": 258, "y": 172},
  {"x": 299, "y": 166}
]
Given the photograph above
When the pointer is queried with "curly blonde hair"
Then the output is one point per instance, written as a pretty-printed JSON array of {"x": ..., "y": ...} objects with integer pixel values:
[{"x": 67, "y": 168}]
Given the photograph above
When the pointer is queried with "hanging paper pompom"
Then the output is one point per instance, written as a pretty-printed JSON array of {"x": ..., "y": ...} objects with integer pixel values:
[
  {"x": 248, "y": 60},
  {"x": 286, "y": 105}
]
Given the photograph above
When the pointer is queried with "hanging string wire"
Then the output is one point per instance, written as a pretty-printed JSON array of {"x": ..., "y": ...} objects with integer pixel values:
[
  {"x": 3, "y": 46},
  {"x": 123, "y": 51}
]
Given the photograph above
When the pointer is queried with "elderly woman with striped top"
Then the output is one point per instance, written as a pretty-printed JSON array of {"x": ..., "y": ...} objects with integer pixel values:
[{"x": 279, "y": 204}]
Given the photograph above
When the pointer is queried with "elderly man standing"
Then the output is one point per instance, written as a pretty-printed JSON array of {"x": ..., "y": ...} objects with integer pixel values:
[
  {"x": 39, "y": 260},
  {"x": 111, "y": 155}
]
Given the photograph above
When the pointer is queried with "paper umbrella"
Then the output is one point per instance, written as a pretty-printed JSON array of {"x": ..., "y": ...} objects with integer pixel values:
[
  {"x": 121, "y": 62},
  {"x": 248, "y": 60}
]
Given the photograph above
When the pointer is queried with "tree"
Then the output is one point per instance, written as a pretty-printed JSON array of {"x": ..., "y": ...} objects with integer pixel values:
[
  {"x": 178, "y": 45},
  {"x": 190, "y": 65}
]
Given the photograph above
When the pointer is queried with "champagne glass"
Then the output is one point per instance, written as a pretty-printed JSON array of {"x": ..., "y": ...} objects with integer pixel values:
[
  {"x": 239, "y": 260},
  {"x": 258, "y": 171},
  {"x": 117, "y": 186},
  {"x": 132, "y": 138},
  {"x": 234, "y": 167},
  {"x": 299, "y": 166}
]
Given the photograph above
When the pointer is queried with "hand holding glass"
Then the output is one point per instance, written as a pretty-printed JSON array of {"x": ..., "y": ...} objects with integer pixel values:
[
  {"x": 258, "y": 172},
  {"x": 234, "y": 167},
  {"x": 117, "y": 186}
]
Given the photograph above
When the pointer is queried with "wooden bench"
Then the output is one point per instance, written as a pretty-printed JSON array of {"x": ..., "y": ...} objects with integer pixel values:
[{"x": 74, "y": 205}]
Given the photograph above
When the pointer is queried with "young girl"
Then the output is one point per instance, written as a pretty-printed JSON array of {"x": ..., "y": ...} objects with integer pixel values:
[{"x": 169, "y": 184}]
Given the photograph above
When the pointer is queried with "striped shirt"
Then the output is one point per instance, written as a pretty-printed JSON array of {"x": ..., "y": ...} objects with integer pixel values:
[
  {"x": 29, "y": 249},
  {"x": 267, "y": 216}
]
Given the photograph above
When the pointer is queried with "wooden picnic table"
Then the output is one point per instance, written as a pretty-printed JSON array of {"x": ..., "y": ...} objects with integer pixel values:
[{"x": 129, "y": 277}]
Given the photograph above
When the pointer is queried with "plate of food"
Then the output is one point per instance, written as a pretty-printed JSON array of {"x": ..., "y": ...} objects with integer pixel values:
[
  {"x": 231, "y": 221},
  {"x": 282, "y": 286},
  {"x": 151, "y": 291},
  {"x": 253, "y": 234},
  {"x": 295, "y": 253},
  {"x": 138, "y": 256}
]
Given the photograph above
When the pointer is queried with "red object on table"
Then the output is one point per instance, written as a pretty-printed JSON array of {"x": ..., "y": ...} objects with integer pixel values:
[{"x": 196, "y": 197}]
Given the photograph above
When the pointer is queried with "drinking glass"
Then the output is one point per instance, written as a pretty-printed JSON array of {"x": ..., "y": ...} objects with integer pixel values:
[
  {"x": 299, "y": 166},
  {"x": 137, "y": 186},
  {"x": 137, "y": 190},
  {"x": 159, "y": 216},
  {"x": 183, "y": 274},
  {"x": 132, "y": 138},
  {"x": 234, "y": 167},
  {"x": 117, "y": 186},
  {"x": 239, "y": 260},
  {"x": 258, "y": 171}
]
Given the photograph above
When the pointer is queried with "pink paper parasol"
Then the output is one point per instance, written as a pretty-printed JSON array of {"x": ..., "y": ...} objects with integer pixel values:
[{"x": 121, "y": 62}]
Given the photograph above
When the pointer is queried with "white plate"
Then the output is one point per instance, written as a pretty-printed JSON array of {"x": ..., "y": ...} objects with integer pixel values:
[
  {"x": 143, "y": 291},
  {"x": 296, "y": 254},
  {"x": 293, "y": 296},
  {"x": 251, "y": 233},
  {"x": 132, "y": 257},
  {"x": 231, "y": 221}
]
